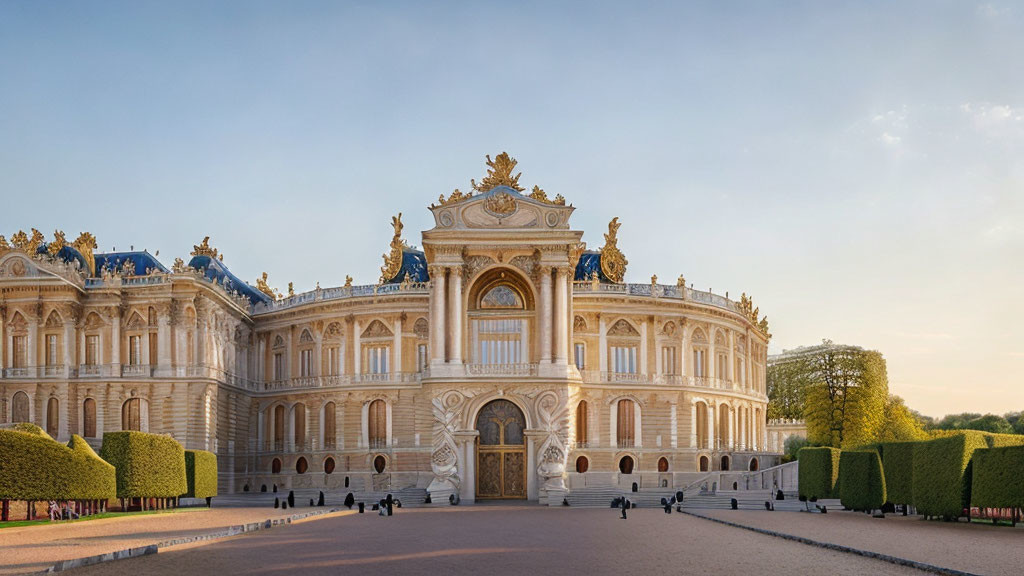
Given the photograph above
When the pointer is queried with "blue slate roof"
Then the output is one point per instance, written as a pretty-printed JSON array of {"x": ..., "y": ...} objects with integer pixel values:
[
  {"x": 414, "y": 265},
  {"x": 115, "y": 260},
  {"x": 589, "y": 262},
  {"x": 215, "y": 271}
]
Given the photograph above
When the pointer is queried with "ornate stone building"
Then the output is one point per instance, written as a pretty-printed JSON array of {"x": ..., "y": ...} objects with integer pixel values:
[{"x": 503, "y": 360}]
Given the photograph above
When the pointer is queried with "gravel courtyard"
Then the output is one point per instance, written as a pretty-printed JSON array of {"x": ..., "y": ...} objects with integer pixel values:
[{"x": 503, "y": 539}]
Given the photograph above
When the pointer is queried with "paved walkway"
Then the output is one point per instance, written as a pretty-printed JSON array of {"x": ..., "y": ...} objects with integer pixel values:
[
  {"x": 974, "y": 548},
  {"x": 503, "y": 540},
  {"x": 34, "y": 548}
]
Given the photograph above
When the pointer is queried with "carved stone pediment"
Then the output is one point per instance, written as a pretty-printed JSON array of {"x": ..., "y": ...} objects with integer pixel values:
[{"x": 501, "y": 208}]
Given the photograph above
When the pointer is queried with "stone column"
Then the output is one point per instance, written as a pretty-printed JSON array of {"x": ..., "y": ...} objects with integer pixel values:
[
  {"x": 545, "y": 315},
  {"x": 693, "y": 424},
  {"x": 396, "y": 363},
  {"x": 357, "y": 350},
  {"x": 146, "y": 360},
  {"x": 561, "y": 318},
  {"x": 731, "y": 371},
  {"x": 712, "y": 416},
  {"x": 67, "y": 357},
  {"x": 163, "y": 341},
  {"x": 674, "y": 426},
  {"x": 318, "y": 356},
  {"x": 729, "y": 419},
  {"x": 643, "y": 347},
  {"x": 437, "y": 315},
  {"x": 455, "y": 314},
  {"x": 4, "y": 346},
  {"x": 32, "y": 345},
  {"x": 115, "y": 341},
  {"x": 602, "y": 339}
]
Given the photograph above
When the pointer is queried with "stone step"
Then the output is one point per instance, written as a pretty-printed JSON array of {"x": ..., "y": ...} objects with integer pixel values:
[{"x": 411, "y": 497}]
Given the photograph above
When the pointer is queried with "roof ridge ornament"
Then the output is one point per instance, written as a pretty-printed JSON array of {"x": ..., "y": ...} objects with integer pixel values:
[
  {"x": 613, "y": 261},
  {"x": 203, "y": 249},
  {"x": 86, "y": 244},
  {"x": 499, "y": 174},
  {"x": 263, "y": 286},
  {"x": 747, "y": 308},
  {"x": 393, "y": 259}
]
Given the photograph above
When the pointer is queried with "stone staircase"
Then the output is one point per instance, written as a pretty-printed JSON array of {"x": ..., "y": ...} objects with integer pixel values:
[
  {"x": 602, "y": 496},
  {"x": 749, "y": 500},
  {"x": 411, "y": 497}
]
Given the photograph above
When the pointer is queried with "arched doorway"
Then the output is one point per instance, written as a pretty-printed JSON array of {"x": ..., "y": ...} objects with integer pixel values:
[
  {"x": 753, "y": 465},
  {"x": 626, "y": 465},
  {"x": 725, "y": 463},
  {"x": 501, "y": 454}
]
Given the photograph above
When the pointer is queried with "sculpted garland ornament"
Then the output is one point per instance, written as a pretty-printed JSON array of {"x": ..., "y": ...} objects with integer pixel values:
[{"x": 613, "y": 261}]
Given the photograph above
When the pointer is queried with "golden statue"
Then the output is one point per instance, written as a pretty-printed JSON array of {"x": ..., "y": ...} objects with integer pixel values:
[
  {"x": 499, "y": 174},
  {"x": 85, "y": 244},
  {"x": 4, "y": 246},
  {"x": 455, "y": 196},
  {"x": 540, "y": 195},
  {"x": 393, "y": 259},
  {"x": 613, "y": 261},
  {"x": 203, "y": 249},
  {"x": 263, "y": 286},
  {"x": 348, "y": 281},
  {"x": 291, "y": 290},
  {"x": 58, "y": 243},
  {"x": 26, "y": 244}
]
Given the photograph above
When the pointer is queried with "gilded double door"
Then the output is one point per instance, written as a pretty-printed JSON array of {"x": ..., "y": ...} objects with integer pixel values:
[{"x": 501, "y": 452}]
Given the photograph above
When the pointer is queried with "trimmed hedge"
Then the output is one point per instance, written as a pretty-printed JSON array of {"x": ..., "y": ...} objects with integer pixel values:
[
  {"x": 942, "y": 473},
  {"x": 819, "y": 472},
  {"x": 201, "y": 474},
  {"x": 1002, "y": 440},
  {"x": 35, "y": 467},
  {"x": 898, "y": 465},
  {"x": 148, "y": 465},
  {"x": 861, "y": 481},
  {"x": 997, "y": 479}
]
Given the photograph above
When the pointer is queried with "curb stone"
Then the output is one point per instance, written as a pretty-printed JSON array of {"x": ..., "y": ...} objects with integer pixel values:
[
  {"x": 840, "y": 548},
  {"x": 155, "y": 548}
]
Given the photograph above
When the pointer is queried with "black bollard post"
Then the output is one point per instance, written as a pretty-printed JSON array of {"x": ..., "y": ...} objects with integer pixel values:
[
  {"x": 320, "y": 501},
  {"x": 361, "y": 506},
  {"x": 350, "y": 500},
  {"x": 291, "y": 498},
  {"x": 277, "y": 503},
  {"x": 390, "y": 502}
]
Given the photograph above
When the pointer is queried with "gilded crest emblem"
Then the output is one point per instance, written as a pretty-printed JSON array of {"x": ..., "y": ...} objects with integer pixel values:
[{"x": 501, "y": 204}]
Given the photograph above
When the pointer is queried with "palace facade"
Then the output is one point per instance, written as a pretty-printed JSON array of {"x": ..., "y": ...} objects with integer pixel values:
[{"x": 502, "y": 360}]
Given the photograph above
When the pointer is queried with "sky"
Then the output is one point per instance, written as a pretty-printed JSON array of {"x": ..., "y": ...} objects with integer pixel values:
[{"x": 855, "y": 166}]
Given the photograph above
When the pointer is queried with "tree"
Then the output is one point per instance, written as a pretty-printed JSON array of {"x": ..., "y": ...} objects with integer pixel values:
[
  {"x": 991, "y": 423},
  {"x": 899, "y": 423},
  {"x": 786, "y": 383},
  {"x": 793, "y": 444},
  {"x": 1010, "y": 424},
  {"x": 845, "y": 400}
]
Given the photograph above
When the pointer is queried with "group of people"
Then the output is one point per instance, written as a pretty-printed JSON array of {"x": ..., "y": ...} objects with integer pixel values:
[{"x": 62, "y": 510}]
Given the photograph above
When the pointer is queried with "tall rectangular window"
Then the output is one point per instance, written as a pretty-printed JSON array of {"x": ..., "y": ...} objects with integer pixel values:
[
  {"x": 154, "y": 348},
  {"x": 92, "y": 350},
  {"x": 377, "y": 359},
  {"x": 698, "y": 363},
  {"x": 135, "y": 350},
  {"x": 305, "y": 363},
  {"x": 722, "y": 367},
  {"x": 51, "y": 350},
  {"x": 20, "y": 351},
  {"x": 278, "y": 366},
  {"x": 333, "y": 361},
  {"x": 499, "y": 341},
  {"x": 624, "y": 358},
  {"x": 668, "y": 360},
  {"x": 580, "y": 355}
]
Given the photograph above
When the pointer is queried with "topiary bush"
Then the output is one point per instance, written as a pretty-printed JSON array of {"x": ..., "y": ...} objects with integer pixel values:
[
  {"x": 819, "y": 472},
  {"x": 898, "y": 466},
  {"x": 148, "y": 465},
  {"x": 861, "y": 480},
  {"x": 941, "y": 482},
  {"x": 997, "y": 476},
  {"x": 35, "y": 467},
  {"x": 201, "y": 474}
]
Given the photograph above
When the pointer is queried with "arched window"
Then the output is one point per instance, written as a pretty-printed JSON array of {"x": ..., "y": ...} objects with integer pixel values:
[
  {"x": 662, "y": 464},
  {"x": 582, "y": 464},
  {"x": 725, "y": 463},
  {"x": 379, "y": 464},
  {"x": 623, "y": 344},
  {"x": 278, "y": 427},
  {"x": 301, "y": 465},
  {"x": 499, "y": 317},
  {"x": 377, "y": 424},
  {"x": 704, "y": 463},
  {"x": 19, "y": 408},
  {"x": 329, "y": 465},
  {"x": 626, "y": 465},
  {"x": 581, "y": 424},
  {"x": 131, "y": 414},
  {"x": 299, "y": 423},
  {"x": 53, "y": 417},
  {"x": 722, "y": 427},
  {"x": 89, "y": 418},
  {"x": 275, "y": 466},
  {"x": 625, "y": 431},
  {"x": 753, "y": 465},
  {"x": 330, "y": 426}
]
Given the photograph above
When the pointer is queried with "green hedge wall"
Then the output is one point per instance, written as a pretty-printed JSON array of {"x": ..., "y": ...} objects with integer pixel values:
[
  {"x": 34, "y": 466},
  {"x": 898, "y": 465},
  {"x": 148, "y": 465},
  {"x": 819, "y": 472},
  {"x": 861, "y": 481},
  {"x": 997, "y": 477},
  {"x": 942, "y": 473},
  {"x": 1001, "y": 440},
  {"x": 201, "y": 472}
]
